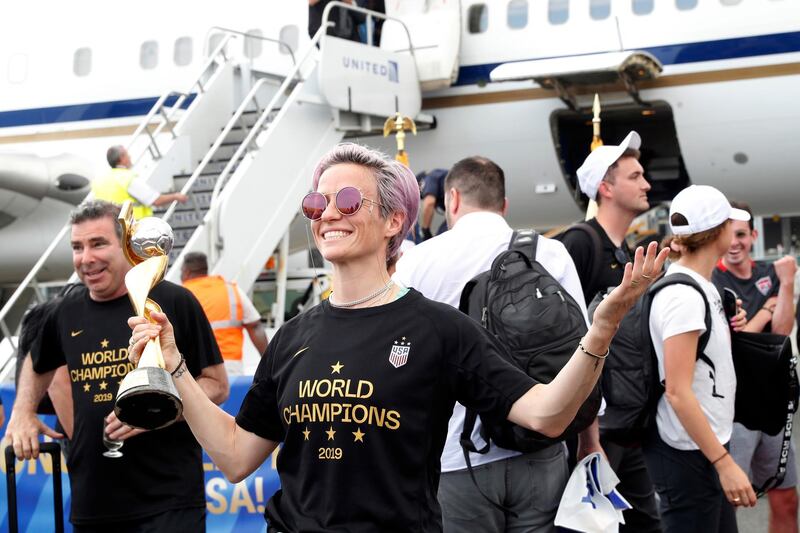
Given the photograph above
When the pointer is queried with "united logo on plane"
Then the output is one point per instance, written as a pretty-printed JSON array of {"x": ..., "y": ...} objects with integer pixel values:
[{"x": 398, "y": 356}]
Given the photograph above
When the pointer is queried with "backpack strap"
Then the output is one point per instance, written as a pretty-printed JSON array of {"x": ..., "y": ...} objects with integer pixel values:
[
  {"x": 597, "y": 246},
  {"x": 678, "y": 278},
  {"x": 468, "y": 446},
  {"x": 526, "y": 241}
]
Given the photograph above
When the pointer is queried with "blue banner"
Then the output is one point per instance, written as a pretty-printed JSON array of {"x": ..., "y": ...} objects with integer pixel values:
[{"x": 230, "y": 507}]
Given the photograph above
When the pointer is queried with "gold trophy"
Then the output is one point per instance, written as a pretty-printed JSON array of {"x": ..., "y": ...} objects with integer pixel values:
[{"x": 147, "y": 397}]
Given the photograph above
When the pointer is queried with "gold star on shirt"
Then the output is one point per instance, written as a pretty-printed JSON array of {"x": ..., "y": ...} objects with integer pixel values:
[
  {"x": 330, "y": 433},
  {"x": 104, "y": 343},
  {"x": 86, "y": 387},
  {"x": 306, "y": 433},
  {"x": 358, "y": 436},
  {"x": 335, "y": 369},
  {"x": 103, "y": 385}
]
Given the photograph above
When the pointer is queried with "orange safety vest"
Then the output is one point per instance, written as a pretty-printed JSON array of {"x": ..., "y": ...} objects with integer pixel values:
[{"x": 223, "y": 307}]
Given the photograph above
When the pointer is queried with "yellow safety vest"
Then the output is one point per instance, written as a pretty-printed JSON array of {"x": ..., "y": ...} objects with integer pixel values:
[
  {"x": 113, "y": 187},
  {"x": 223, "y": 307}
]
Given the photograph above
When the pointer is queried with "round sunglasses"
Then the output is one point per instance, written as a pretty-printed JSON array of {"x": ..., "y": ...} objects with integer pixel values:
[{"x": 348, "y": 200}]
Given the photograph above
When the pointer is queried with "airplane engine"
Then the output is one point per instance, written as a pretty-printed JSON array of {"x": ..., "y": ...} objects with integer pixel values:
[{"x": 36, "y": 196}]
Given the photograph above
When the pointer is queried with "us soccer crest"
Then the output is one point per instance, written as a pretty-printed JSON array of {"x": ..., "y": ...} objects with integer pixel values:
[{"x": 398, "y": 356}]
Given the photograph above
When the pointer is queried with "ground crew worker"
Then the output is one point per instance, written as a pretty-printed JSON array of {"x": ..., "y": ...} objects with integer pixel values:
[
  {"x": 227, "y": 308},
  {"x": 122, "y": 184}
]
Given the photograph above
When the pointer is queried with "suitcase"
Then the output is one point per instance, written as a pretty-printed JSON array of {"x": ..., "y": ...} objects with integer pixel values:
[{"x": 54, "y": 450}]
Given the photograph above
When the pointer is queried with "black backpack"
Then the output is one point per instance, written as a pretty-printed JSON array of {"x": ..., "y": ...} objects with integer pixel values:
[
  {"x": 538, "y": 323},
  {"x": 630, "y": 381}
]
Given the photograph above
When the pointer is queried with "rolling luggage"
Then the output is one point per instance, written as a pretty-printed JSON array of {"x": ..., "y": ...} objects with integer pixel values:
[{"x": 54, "y": 450}]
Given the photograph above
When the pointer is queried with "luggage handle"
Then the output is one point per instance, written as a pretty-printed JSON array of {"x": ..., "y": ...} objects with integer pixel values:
[{"x": 52, "y": 448}]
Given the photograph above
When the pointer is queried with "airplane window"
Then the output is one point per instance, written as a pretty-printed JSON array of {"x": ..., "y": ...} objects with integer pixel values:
[
  {"x": 214, "y": 41},
  {"x": 477, "y": 18},
  {"x": 82, "y": 62},
  {"x": 517, "y": 14},
  {"x": 252, "y": 47},
  {"x": 183, "y": 51},
  {"x": 17, "y": 68},
  {"x": 599, "y": 9},
  {"x": 148, "y": 55},
  {"x": 558, "y": 11},
  {"x": 685, "y": 5},
  {"x": 642, "y": 7},
  {"x": 289, "y": 35}
]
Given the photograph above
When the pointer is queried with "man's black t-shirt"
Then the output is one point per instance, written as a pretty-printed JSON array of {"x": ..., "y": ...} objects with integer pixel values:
[
  {"x": 159, "y": 470},
  {"x": 361, "y": 399},
  {"x": 754, "y": 291},
  {"x": 581, "y": 247}
]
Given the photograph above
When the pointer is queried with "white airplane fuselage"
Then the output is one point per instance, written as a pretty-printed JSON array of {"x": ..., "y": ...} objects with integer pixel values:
[{"x": 731, "y": 73}]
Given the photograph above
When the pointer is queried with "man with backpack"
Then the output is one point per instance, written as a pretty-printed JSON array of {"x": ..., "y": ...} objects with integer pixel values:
[
  {"x": 613, "y": 177},
  {"x": 524, "y": 489},
  {"x": 767, "y": 294}
]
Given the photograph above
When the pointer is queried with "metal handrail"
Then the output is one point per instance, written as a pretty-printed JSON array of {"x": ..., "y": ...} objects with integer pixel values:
[
  {"x": 270, "y": 107},
  {"x": 259, "y": 124},
  {"x": 214, "y": 147},
  {"x": 159, "y": 106},
  {"x": 369, "y": 13},
  {"x": 143, "y": 125},
  {"x": 251, "y": 36}
]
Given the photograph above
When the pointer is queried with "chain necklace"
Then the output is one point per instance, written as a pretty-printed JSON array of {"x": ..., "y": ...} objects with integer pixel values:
[{"x": 367, "y": 298}]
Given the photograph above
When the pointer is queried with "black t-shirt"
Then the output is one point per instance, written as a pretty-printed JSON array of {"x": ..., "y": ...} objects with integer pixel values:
[
  {"x": 159, "y": 470},
  {"x": 581, "y": 247},
  {"x": 754, "y": 291},
  {"x": 361, "y": 399}
]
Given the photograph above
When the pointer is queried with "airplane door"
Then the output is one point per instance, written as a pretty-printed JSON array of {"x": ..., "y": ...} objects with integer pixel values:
[{"x": 661, "y": 152}]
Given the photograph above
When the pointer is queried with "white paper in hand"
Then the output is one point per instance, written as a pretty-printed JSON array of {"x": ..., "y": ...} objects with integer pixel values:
[{"x": 590, "y": 502}]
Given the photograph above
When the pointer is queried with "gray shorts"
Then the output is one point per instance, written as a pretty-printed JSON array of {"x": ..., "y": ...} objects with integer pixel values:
[{"x": 758, "y": 453}]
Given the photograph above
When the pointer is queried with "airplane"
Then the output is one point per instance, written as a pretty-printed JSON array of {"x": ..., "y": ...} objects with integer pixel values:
[{"x": 708, "y": 85}]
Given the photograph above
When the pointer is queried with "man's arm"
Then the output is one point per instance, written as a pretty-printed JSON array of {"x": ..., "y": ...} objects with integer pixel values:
[
  {"x": 428, "y": 208},
  {"x": 168, "y": 198},
  {"x": 60, "y": 392},
  {"x": 24, "y": 427},
  {"x": 213, "y": 380},
  {"x": 258, "y": 335},
  {"x": 783, "y": 312}
]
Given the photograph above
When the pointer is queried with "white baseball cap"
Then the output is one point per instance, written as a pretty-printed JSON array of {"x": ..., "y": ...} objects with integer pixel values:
[
  {"x": 704, "y": 207},
  {"x": 596, "y": 165}
]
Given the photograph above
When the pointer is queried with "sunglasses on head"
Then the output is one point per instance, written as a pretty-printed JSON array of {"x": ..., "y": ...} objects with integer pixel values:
[
  {"x": 348, "y": 200},
  {"x": 622, "y": 256}
]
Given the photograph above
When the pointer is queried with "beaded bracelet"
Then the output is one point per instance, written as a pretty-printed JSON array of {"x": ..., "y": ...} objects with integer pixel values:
[{"x": 178, "y": 372}]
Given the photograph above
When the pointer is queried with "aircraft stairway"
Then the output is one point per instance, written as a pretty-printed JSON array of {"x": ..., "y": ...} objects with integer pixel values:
[{"x": 246, "y": 189}]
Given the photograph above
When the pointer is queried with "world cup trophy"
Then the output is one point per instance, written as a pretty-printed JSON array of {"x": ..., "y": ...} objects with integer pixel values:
[{"x": 147, "y": 397}]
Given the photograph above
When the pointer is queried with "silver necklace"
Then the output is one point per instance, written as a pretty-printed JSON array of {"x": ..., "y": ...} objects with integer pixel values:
[{"x": 367, "y": 298}]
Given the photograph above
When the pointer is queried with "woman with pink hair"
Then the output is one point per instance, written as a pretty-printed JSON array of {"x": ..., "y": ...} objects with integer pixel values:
[{"x": 360, "y": 388}]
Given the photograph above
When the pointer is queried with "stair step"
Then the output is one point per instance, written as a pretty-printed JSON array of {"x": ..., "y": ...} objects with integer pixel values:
[
  {"x": 203, "y": 183},
  {"x": 186, "y": 219}
]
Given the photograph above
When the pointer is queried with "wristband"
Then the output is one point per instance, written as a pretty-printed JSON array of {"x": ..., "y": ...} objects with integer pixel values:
[
  {"x": 771, "y": 310},
  {"x": 587, "y": 352},
  {"x": 178, "y": 372},
  {"x": 720, "y": 458}
]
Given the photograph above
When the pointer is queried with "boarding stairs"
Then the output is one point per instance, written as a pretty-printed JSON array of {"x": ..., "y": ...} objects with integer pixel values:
[{"x": 256, "y": 152}]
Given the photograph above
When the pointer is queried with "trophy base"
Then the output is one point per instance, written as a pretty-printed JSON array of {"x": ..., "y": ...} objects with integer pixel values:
[{"x": 148, "y": 399}]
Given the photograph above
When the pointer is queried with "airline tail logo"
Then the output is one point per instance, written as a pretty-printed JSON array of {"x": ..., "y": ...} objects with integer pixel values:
[
  {"x": 389, "y": 70},
  {"x": 393, "y": 73}
]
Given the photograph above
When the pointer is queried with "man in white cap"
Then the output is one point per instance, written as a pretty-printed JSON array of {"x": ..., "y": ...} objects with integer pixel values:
[{"x": 613, "y": 177}]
